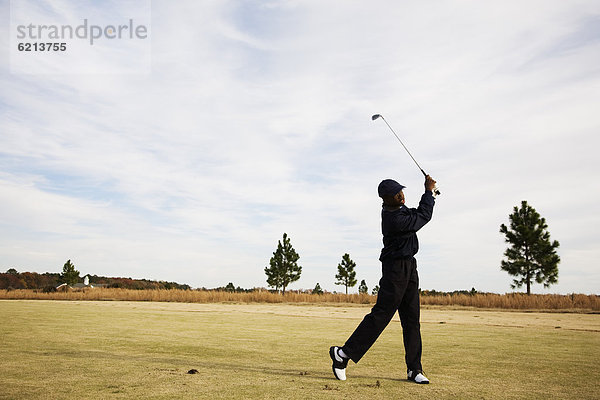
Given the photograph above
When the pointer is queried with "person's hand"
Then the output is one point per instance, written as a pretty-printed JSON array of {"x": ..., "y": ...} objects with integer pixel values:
[{"x": 429, "y": 183}]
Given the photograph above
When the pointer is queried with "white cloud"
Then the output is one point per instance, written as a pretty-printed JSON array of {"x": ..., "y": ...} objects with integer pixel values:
[{"x": 255, "y": 121}]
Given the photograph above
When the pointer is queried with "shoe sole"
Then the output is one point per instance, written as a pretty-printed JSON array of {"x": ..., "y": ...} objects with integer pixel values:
[{"x": 418, "y": 383}]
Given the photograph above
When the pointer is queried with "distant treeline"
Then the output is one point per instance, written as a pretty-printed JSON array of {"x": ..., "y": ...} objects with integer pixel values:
[
  {"x": 12, "y": 280},
  {"x": 136, "y": 284},
  {"x": 433, "y": 292},
  {"x": 28, "y": 280}
]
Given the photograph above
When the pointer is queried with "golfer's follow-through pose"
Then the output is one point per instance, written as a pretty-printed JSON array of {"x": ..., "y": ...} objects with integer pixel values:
[{"x": 399, "y": 285}]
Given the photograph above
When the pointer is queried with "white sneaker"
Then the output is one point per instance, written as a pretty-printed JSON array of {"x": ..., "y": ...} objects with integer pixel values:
[
  {"x": 339, "y": 363},
  {"x": 417, "y": 376}
]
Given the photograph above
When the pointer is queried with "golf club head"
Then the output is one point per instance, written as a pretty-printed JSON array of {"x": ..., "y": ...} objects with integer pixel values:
[{"x": 375, "y": 116}]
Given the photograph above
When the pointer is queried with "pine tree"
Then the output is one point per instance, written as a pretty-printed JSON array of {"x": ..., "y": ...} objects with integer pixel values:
[
  {"x": 70, "y": 275},
  {"x": 317, "y": 289},
  {"x": 531, "y": 255},
  {"x": 273, "y": 272},
  {"x": 284, "y": 268},
  {"x": 346, "y": 275},
  {"x": 362, "y": 288}
]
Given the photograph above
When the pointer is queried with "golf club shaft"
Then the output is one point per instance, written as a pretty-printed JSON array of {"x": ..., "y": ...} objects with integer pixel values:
[
  {"x": 374, "y": 117},
  {"x": 397, "y": 137}
]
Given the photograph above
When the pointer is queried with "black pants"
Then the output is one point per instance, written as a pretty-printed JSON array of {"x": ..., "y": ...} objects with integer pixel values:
[{"x": 398, "y": 291}]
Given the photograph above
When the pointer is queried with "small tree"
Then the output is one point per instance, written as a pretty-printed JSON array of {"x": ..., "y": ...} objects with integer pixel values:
[
  {"x": 531, "y": 254},
  {"x": 317, "y": 289},
  {"x": 69, "y": 275},
  {"x": 284, "y": 268},
  {"x": 12, "y": 271},
  {"x": 375, "y": 290},
  {"x": 230, "y": 287},
  {"x": 362, "y": 288},
  {"x": 346, "y": 275}
]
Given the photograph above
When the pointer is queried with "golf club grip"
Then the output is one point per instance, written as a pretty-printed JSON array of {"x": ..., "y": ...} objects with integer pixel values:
[{"x": 435, "y": 189}]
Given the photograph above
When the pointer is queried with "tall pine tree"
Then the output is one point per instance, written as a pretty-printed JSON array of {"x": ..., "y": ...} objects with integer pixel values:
[
  {"x": 531, "y": 255},
  {"x": 346, "y": 275},
  {"x": 283, "y": 267}
]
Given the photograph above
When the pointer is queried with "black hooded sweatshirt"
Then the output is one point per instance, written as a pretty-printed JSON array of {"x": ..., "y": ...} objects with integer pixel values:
[{"x": 399, "y": 226}]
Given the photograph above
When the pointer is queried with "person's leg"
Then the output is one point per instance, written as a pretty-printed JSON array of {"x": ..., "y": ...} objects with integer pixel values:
[
  {"x": 391, "y": 290},
  {"x": 409, "y": 311}
]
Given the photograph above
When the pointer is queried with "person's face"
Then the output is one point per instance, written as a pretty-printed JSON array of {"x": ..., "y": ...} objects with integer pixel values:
[{"x": 398, "y": 199}]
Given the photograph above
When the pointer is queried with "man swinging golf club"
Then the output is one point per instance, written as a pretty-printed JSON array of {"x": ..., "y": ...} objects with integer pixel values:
[{"x": 399, "y": 285}]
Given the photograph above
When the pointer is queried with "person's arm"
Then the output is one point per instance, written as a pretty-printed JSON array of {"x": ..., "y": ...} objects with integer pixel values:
[{"x": 416, "y": 218}]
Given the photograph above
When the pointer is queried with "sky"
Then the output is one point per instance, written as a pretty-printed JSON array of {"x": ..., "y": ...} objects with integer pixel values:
[{"x": 186, "y": 155}]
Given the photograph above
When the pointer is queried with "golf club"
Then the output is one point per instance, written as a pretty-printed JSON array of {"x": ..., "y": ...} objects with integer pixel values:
[{"x": 374, "y": 117}]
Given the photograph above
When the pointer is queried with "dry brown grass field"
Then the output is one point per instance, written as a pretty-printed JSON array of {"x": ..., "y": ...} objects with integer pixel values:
[
  {"x": 514, "y": 301},
  {"x": 130, "y": 350}
]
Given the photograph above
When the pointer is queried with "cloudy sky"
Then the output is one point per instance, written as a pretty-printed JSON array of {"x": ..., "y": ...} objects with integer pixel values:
[{"x": 186, "y": 156}]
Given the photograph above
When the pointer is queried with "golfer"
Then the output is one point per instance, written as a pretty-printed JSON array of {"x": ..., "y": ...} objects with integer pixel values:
[{"x": 399, "y": 284}]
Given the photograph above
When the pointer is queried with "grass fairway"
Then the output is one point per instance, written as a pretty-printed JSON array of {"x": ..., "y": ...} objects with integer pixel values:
[{"x": 73, "y": 350}]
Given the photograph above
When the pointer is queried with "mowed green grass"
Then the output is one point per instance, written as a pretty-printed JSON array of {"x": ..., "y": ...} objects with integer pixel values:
[{"x": 73, "y": 350}]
